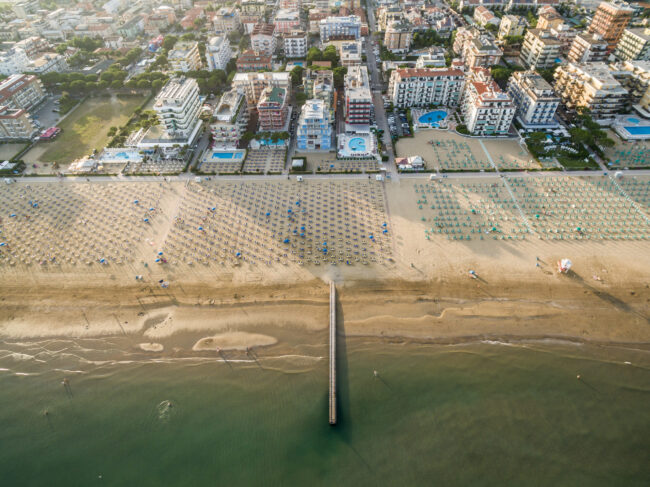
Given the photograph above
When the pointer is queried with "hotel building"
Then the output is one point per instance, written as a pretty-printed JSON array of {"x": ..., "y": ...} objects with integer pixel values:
[
  {"x": 610, "y": 20},
  {"x": 429, "y": 86},
  {"x": 358, "y": 99},
  {"x": 487, "y": 110},
  {"x": 534, "y": 98},
  {"x": 314, "y": 130},
  {"x": 230, "y": 119},
  {"x": 185, "y": 57},
  {"x": 218, "y": 53},
  {"x": 273, "y": 109}
]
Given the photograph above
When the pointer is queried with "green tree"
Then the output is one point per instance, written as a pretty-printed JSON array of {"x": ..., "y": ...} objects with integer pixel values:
[
  {"x": 331, "y": 54},
  {"x": 296, "y": 75},
  {"x": 78, "y": 86},
  {"x": 339, "y": 76},
  {"x": 314, "y": 54},
  {"x": 157, "y": 84},
  {"x": 116, "y": 84},
  {"x": 169, "y": 42},
  {"x": 144, "y": 84}
]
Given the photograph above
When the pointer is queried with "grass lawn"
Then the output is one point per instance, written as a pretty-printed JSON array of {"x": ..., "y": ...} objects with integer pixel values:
[{"x": 85, "y": 129}]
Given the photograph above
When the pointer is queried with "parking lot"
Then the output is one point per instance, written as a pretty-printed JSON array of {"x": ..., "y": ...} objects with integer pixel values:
[{"x": 398, "y": 123}]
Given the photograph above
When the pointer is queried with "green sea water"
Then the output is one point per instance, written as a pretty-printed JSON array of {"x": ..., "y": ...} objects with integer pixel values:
[{"x": 472, "y": 414}]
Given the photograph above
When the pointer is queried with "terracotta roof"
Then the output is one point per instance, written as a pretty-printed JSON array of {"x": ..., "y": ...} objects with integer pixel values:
[{"x": 427, "y": 73}]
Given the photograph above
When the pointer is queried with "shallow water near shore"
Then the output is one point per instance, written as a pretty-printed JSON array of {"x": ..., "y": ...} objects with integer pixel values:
[{"x": 469, "y": 414}]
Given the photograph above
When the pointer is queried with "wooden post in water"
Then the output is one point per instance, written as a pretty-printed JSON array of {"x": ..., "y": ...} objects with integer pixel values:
[{"x": 332, "y": 391}]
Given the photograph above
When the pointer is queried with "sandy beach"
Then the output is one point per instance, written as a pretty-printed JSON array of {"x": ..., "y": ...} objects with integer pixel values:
[{"x": 417, "y": 287}]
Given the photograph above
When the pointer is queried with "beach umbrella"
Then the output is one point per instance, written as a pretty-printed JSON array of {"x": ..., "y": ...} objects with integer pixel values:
[
  {"x": 238, "y": 254},
  {"x": 286, "y": 240},
  {"x": 3, "y": 244},
  {"x": 13, "y": 215},
  {"x": 268, "y": 214},
  {"x": 146, "y": 220},
  {"x": 135, "y": 202},
  {"x": 151, "y": 209},
  {"x": 157, "y": 260},
  {"x": 160, "y": 253},
  {"x": 201, "y": 228},
  {"x": 101, "y": 261}
]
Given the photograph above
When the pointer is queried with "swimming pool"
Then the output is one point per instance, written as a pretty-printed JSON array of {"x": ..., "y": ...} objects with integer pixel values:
[
  {"x": 357, "y": 144},
  {"x": 433, "y": 118},
  {"x": 638, "y": 130},
  {"x": 633, "y": 120},
  {"x": 227, "y": 155},
  {"x": 121, "y": 155}
]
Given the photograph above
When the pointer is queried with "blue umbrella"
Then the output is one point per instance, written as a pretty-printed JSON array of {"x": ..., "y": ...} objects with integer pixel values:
[
  {"x": 136, "y": 202},
  {"x": 302, "y": 234},
  {"x": 151, "y": 209},
  {"x": 302, "y": 227},
  {"x": 101, "y": 261},
  {"x": 201, "y": 228},
  {"x": 160, "y": 253},
  {"x": 268, "y": 214},
  {"x": 238, "y": 254},
  {"x": 157, "y": 260},
  {"x": 146, "y": 220},
  {"x": 286, "y": 240},
  {"x": 13, "y": 215},
  {"x": 2, "y": 244},
  {"x": 383, "y": 224}
]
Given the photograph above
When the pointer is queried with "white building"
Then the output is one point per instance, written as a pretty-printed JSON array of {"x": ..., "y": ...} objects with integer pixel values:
[
  {"x": 350, "y": 53},
  {"x": 433, "y": 58},
  {"x": 587, "y": 48},
  {"x": 21, "y": 91},
  {"x": 178, "y": 107},
  {"x": 218, "y": 53},
  {"x": 426, "y": 86},
  {"x": 487, "y": 110},
  {"x": 512, "y": 25},
  {"x": 534, "y": 98},
  {"x": 295, "y": 44},
  {"x": 314, "y": 129},
  {"x": 634, "y": 45},
  {"x": 634, "y": 76},
  {"x": 340, "y": 28},
  {"x": 229, "y": 120}
]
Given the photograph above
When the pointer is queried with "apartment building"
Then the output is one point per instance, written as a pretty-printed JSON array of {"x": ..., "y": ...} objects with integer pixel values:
[
  {"x": 433, "y": 58},
  {"x": 549, "y": 18},
  {"x": 512, "y": 25},
  {"x": 426, "y": 86},
  {"x": 230, "y": 119},
  {"x": 15, "y": 124},
  {"x": 319, "y": 84},
  {"x": 250, "y": 60},
  {"x": 185, "y": 57},
  {"x": 487, "y": 110},
  {"x": 476, "y": 47},
  {"x": 534, "y": 98},
  {"x": 252, "y": 84},
  {"x": 178, "y": 107},
  {"x": 587, "y": 48},
  {"x": 252, "y": 13},
  {"x": 340, "y": 28},
  {"x": 286, "y": 20},
  {"x": 634, "y": 76},
  {"x": 566, "y": 35},
  {"x": 592, "y": 86},
  {"x": 296, "y": 44},
  {"x": 21, "y": 91},
  {"x": 226, "y": 20},
  {"x": 634, "y": 45},
  {"x": 273, "y": 109},
  {"x": 610, "y": 20},
  {"x": 388, "y": 15},
  {"x": 263, "y": 39},
  {"x": 350, "y": 52},
  {"x": 358, "y": 99},
  {"x": 398, "y": 37},
  {"x": 314, "y": 130},
  {"x": 218, "y": 53},
  {"x": 540, "y": 49},
  {"x": 483, "y": 16}
]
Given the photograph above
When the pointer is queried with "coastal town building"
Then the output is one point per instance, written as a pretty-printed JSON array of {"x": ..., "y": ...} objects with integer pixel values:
[
  {"x": 319, "y": 83},
  {"x": 185, "y": 57},
  {"x": 388, "y": 15},
  {"x": 483, "y": 16},
  {"x": 21, "y": 91},
  {"x": 273, "y": 109},
  {"x": 610, "y": 20},
  {"x": 540, "y": 49},
  {"x": 15, "y": 124},
  {"x": 549, "y": 18},
  {"x": 218, "y": 52},
  {"x": 434, "y": 57},
  {"x": 252, "y": 84},
  {"x": 512, "y": 25},
  {"x": 487, "y": 110},
  {"x": 263, "y": 39},
  {"x": 350, "y": 53},
  {"x": 250, "y": 60},
  {"x": 286, "y": 20},
  {"x": 340, "y": 28},
  {"x": 634, "y": 45},
  {"x": 226, "y": 20},
  {"x": 591, "y": 86},
  {"x": 587, "y": 48},
  {"x": 425, "y": 86},
  {"x": 534, "y": 98},
  {"x": 295, "y": 44},
  {"x": 314, "y": 129},
  {"x": 634, "y": 76},
  {"x": 476, "y": 47},
  {"x": 398, "y": 37},
  {"x": 358, "y": 99},
  {"x": 229, "y": 120},
  {"x": 178, "y": 106}
]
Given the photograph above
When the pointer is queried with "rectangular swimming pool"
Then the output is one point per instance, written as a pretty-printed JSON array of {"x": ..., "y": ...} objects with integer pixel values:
[
  {"x": 227, "y": 155},
  {"x": 638, "y": 130}
]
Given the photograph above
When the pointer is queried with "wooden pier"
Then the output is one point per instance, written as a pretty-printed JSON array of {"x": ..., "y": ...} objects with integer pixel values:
[{"x": 332, "y": 391}]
